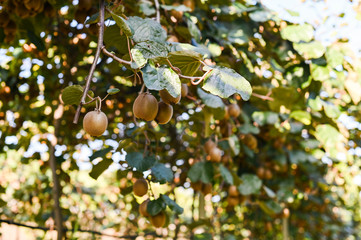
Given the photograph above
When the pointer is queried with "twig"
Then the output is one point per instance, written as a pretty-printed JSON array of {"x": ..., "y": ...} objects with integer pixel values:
[
  {"x": 109, "y": 54},
  {"x": 157, "y": 10},
  {"x": 263, "y": 97},
  {"x": 11, "y": 222},
  {"x": 96, "y": 57},
  {"x": 202, "y": 78}
]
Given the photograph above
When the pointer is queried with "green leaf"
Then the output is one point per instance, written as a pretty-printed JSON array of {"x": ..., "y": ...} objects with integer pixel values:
[
  {"x": 263, "y": 118},
  {"x": 320, "y": 73},
  {"x": 162, "y": 173},
  {"x": 172, "y": 204},
  {"x": 298, "y": 33},
  {"x": 95, "y": 17},
  {"x": 310, "y": 50},
  {"x": 161, "y": 78},
  {"x": 138, "y": 59},
  {"x": 261, "y": 15},
  {"x": 100, "y": 153},
  {"x": 270, "y": 207},
  {"x": 227, "y": 176},
  {"x": 179, "y": 8},
  {"x": 202, "y": 171},
  {"x": 203, "y": 236},
  {"x": 156, "y": 206},
  {"x": 301, "y": 116},
  {"x": 187, "y": 61},
  {"x": 122, "y": 24},
  {"x": 137, "y": 161},
  {"x": 151, "y": 49},
  {"x": 210, "y": 100},
  {"x": 193, "y": 30},
  {"x": 112, "y": 38},
  {"x": 234, "y": 144},
  {"x": 334, "y": 57},
  {"x": 38, "y": 42},
  {"x": 112, "y": 91},
  {"x": 72, "y": 95},
  {"x": 250, "y": 184},
  {"x": 224, "y": 82},
  {"x": 331, "y": 110},
  {"x": 329, "y": 138},
  {"x": 269, "y": 192},
  {"x": 146, "y": 30},
  {"x": 98, "y": 169}
]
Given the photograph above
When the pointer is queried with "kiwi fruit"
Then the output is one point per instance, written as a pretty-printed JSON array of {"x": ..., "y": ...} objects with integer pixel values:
[
  {"x": 165, "y": 113},
  {"x": 140, "y": 187},
  {"x": 234, "y": 110},
  {"x": 184, "y": 90},
  {"x": 206, "y": 188},
  {"x": 145, "y": 107},
  {"x": 158, "y": 220},
  {"x": 209, "y": 145},
  {"x": 232, "y": 191},
  {"x": 250, "y": 141},
  {"x": 167, "y": 98},
  {"x": 232, "y": 201},
  {"x": 197, "y": 186},
  {"x": 143, "y": 208},
  {"x": 95, "y": 123},
  {"x": 215, "y": 154}
]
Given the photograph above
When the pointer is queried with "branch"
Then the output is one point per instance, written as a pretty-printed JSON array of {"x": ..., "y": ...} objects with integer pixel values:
[
  {"x": 96, "y": 57},
  {"x": 109, "y": 54},
  {"x": 157, "y": 10},
  {"x": 267, "y": 97},
  {"x": 76, "y": 230}
]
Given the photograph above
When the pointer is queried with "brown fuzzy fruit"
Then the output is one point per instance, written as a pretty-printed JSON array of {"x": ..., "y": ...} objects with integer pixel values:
[
  {"x": 143, "y": 208},
  {"x": 85, "y": 4},
  {"x": 145, "y": 107},
  {"x": 165, "y": 113},
  {"x": 232, "y": 201},
  {"x": 167, "y": 98},
  {"x": 250, "y": 141},
  {"x": 232, "y": 191},
  {"x": 158, "y": 220},
  {"x": 215, "y": 154},
  {"x": 197, "y": 186},
  {"x": 184, "y": 90},
  {"x": 95, "y": 123},
  {"x": 209, "y": 145},
  {"x": 207, "y": 188},
  {"x": 260, "y": 172},
  {"x": 234, "y": 110},
  {"x": 140, "y": 187}
]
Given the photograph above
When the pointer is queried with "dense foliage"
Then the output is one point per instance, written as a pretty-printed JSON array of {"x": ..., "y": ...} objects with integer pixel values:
[{"x": 262, "y": 146}]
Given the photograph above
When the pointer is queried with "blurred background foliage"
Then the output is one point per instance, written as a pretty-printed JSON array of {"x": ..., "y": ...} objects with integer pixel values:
[{"x": 294, "y": 157}]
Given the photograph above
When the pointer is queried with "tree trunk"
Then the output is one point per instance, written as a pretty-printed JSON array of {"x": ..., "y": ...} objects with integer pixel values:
[{"x": 56, "y": 187}]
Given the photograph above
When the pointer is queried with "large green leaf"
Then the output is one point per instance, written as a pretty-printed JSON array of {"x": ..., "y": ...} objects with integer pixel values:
[
  {"x": 122, "y": 24},
  {"x": 146, "y": 30},
  {"x": 172, "y": 204},
  {"x": 210, "y": 100},
  {"x": 156, "y": 206},
  {"x": 100, "y": 153},
  {"x": 139, "y": 60},
  {"x": 319, "y": 73},
  {"x": 224, "y": 82},
  {"x": 187, "y": 61},
  {"x": 202, "y": 171},
  {"x": 334, "y": 57},
  {"x": 136, "y": 160},
  {"x": 72, "y": 95},
  {"x": 161, "y": 173},
  {"x": 98, "y": 169},
  {"x": 302, "y": 116},
  {"x": 250, "y": 184},
  {"x": 329, "y": 137},
  {"x": 151, "y": 49},
  {"x": 310, "y": 50},
  {"x": 161, "y": 78},
  {"x": 227, "y": 176},
  {"x": 298, "y": 33},
  {"x": 112, "y": 38}
]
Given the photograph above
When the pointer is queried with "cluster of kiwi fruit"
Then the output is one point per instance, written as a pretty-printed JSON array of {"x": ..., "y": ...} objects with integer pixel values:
[
  {"x": 22, "y": 9},
  {"x": 234, "y": 198},
  {"x": 140, "y": 188},
  {"x": 147, "y": 107}
]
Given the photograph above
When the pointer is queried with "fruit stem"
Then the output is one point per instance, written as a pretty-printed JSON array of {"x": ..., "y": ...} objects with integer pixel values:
[
  {"x": 96, "y": 57},
  {"x": 142, "y": 89}
]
